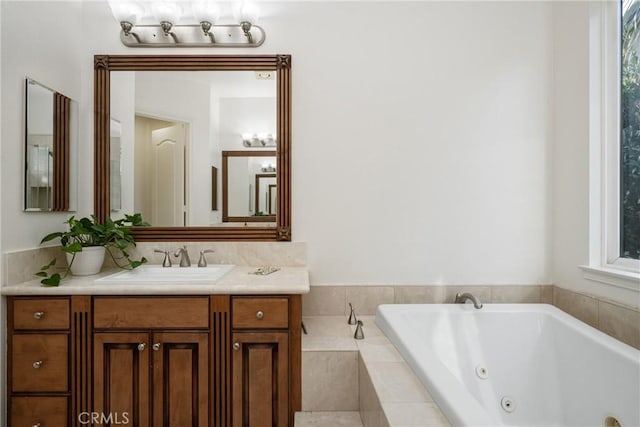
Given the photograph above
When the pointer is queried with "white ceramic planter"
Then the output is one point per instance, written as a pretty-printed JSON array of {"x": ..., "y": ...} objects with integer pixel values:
[{"x": 87, "y": 262}]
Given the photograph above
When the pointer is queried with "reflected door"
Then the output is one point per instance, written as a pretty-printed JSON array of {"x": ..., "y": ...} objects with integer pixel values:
[{"x": 169, "y": 172}]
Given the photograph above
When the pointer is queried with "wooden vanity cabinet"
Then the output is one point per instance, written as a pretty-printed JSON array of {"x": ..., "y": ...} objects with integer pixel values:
[
  {"x": 154, "y": 360},
  {"x": 156, "y": 371},
  {"x": 38, "y": 361},
  {"x": 260, "y": 380}
]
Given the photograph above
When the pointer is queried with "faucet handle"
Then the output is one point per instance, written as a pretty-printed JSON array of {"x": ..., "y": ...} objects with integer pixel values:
[
  {"x": 202, "y": 262},
  {"x": 359, "y": 333},
  {"x": 166, "y": 262},
  {"x": 352, "y": 316}
]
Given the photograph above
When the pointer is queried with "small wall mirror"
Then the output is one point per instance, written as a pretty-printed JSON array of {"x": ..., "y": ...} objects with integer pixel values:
[
  {"x": 166, "y": 124},
  {"x": 247, "y": 180},
  {"x": 51, "y": 140}
]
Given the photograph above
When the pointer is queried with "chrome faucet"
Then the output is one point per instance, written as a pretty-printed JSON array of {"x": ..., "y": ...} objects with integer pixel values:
[
  {"x": 202, "y": 262},
  {"x": 359, "y": 334},
  {"x": 462, "y": 298},
  {"x": 166, "y": 262},
  {"x": 184, "y": 260}
]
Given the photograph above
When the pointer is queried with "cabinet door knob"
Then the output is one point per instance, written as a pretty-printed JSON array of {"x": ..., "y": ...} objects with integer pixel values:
[
  {"x": 37, "y": 364},
  {"x": 156, "y": 346},
  {"x": 142, "y": 346},
  {"x": 236, "y": 346},
  {"x": 38, "y": 315},
  {"x": 259, "y": 314}
]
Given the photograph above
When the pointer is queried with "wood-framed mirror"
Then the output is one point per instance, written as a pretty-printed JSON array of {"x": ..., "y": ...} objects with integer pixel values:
[
  {"x": 276, "y": 67},
  {"x": 246, "y": 176}
]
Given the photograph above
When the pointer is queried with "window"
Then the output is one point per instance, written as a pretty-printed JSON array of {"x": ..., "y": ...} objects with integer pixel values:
[
  {"x": 630, "y": 130},
  {"x": 614, "y": 148}
]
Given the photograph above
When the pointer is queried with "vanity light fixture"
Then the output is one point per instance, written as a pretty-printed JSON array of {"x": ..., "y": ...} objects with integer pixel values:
[
  {"x": 255, "y": 140},
  {"x": 127, "y": 14},
  {"x": 186, "y": 24},
  {"x": 246, "y": 14},
  {"x": 268, "y": 168},
  {"x": 167, "y": 13}
]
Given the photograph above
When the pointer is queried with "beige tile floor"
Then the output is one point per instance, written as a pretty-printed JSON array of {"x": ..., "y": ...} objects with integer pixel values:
[{"x": 328, "y": 419}]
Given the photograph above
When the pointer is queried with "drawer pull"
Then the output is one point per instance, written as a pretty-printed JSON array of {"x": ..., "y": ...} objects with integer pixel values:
[
  {"x": 38, "y": 364},
  {"x": 259, "y": 314},
  {"x": 156, "y": 346},
  {"x": 38, "y": 315},
  {"x": 236, "y": 346},
  {"x": 142, "y": 346},
  {"x": 36, "y": 425}
]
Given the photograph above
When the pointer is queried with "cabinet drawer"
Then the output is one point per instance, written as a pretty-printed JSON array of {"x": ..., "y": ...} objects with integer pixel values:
[
  {"x": 41, "y": 313},
  {"x": 146, "y": 312},
  {"x": 38, "y": 411},
  {"x": 39, "y": 362},
  {"x": 253, "y": 312}
]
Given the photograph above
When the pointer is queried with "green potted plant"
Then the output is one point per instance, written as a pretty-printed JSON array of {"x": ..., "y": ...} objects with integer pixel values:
[{"x": 85, "y": 243}]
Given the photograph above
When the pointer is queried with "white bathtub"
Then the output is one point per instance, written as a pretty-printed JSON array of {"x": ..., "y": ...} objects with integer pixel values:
[{"x": 550, "y": 368}]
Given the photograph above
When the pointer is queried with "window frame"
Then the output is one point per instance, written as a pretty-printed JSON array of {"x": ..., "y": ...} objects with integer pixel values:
[
  {"x": 612, "y": 140},
  {"x": 605, "y": 266}
]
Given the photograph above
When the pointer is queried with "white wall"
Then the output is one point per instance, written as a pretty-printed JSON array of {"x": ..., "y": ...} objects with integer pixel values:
[
  {"x": 52, "y": 55},
  {"x": 40, "y": 104},
  {"x": 123, "y": 108},
  {"x": 245, "y": 115},
  {"x": 185, "y": 101},
  {"x": 446, "y": 108},
  {"x": 421, "y": 152}
]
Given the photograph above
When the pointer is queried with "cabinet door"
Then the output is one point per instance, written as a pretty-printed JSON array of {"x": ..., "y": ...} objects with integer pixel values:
[
  {"x": 181, "y": 379},
  {"x": 260, "y": 384},
  {"x": 121, "y": 376}
]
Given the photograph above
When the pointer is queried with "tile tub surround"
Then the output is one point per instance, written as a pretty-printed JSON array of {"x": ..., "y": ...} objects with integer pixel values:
[
  {"x": 617, "y": 320},
  {"x": 334, "y": 300},
  {"x": 620, "y": 321},
  {"x": 20, "y": 266},
  {"x": 387, "y": 392},
  {"x": 329, "y": 365}
]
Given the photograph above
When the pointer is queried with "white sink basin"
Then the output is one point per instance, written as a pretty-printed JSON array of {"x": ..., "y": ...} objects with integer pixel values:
[{"x": 155, "y": 274}]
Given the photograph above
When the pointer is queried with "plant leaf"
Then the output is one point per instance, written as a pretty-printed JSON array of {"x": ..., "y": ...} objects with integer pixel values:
[
  {"x": 51, "y": 263},
  {"x": 52, "y": 281},
  {"x": 50, "y": 236}
]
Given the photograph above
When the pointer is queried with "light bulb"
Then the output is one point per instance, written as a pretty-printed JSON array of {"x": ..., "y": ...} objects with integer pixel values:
[
  {"x": 167, "y": 12},
  {"x": 125, "y": 11},
  {"x": 206, "y": 11},
  {"x": 247, "y": 12}
]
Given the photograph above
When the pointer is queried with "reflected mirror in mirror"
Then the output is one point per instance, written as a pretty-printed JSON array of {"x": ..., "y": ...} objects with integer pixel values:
[
  {"x": 173, "y": 127},
  {"x": 115, "y": 173},
  {"x": 51, "y": 141},
  {"x": 246, "y": 181}
]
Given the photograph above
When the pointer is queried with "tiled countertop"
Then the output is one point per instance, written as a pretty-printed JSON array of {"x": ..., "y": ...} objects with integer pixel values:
[{"x": 288, "y": 280}]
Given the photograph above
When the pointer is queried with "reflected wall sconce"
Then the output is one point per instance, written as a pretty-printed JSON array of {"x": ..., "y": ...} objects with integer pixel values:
[
  {"x": 258, "y": 140},
  {"x": 186, "y": 24},
  {"x": 268, "y": 168}
]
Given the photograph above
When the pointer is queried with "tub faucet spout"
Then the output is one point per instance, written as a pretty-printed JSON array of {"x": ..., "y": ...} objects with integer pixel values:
[{"x": 462, "y": 298}]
